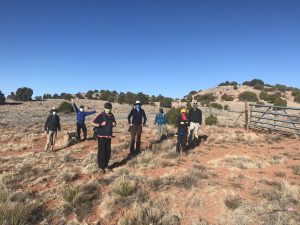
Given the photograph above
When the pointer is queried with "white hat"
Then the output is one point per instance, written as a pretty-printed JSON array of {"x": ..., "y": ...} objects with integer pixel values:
[{"x": 137, "y": 102}]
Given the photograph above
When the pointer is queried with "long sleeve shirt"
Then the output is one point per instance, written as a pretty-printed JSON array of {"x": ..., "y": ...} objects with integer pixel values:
[{"x": 80, "y": 116}]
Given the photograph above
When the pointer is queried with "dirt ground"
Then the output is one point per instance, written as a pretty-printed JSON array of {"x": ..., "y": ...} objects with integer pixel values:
[{"x": 233, "y": 177}]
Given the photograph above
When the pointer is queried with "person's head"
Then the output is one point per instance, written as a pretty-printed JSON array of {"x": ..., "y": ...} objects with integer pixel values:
[
  {"x": 182, "y": 111},
  {"x": 107, "y": 107},
  {"x": 195, "y": 105},
  {"x": 81, "y": 108},
  {"x": 53, "y": 111},
  {"x": 161, "y": 110},
  {"x": 137, "y": 104}
]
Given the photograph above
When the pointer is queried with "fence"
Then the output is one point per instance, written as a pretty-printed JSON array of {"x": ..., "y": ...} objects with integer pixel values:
[{"x": 284, "y": 120}]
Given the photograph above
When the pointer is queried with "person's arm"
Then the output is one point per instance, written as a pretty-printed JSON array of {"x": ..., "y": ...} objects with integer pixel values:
[
  {"x": 46, "y": 123},
  {"x": 75, "y": 107},
  {"x": 200, "y": 117},
  {"x": 129, "y": 116},
  {"x": 166, "y": 119},
  {"x": 58, "y": 126},
  {"x": 96, "y": 121},
  {"x": 155, "y": 121},
  {"x": 89, "y": 113},
  {"x": 114, "y": 123},
  {"x": 145, "y": 118}
]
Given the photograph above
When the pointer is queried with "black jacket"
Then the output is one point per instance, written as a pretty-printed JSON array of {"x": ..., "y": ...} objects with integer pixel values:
[
  {"x": 107, "y": 130},
  {"x": 52, "y": 123},
  {"x": 136, "y": 118},
  {"x": 195, "y": 116}
]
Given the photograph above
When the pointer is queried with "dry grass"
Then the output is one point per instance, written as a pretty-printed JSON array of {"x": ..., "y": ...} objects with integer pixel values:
[
  {"x": 239, "y": 162},
  {"x": 150, "y": 214}
]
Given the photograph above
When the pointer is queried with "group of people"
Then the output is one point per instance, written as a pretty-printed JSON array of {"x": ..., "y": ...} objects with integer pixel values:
[{"x": 188, "y": 126}]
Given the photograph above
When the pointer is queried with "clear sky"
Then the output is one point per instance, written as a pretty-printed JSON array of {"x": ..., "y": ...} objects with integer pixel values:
[{"x": 154, "y": 46}]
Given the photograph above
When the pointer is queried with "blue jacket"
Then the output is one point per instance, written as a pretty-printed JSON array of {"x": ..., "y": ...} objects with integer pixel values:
[
  {"x": 160, "y": 119},
  {"x": 80, "y": 116},
  {"x": 107, "y": 130}
]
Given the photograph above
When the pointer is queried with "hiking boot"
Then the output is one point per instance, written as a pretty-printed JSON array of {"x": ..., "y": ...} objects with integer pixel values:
[
  {"x": 108, "y": 169},
  {"x": 102, "y": 171}
]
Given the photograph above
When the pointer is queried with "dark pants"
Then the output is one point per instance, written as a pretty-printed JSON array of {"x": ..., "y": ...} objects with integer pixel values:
[
  {"x": 182, "y": 141},
  {"x": 104, "y": 152},
  {"x": 83, "y": 127},
  {"x": 136, "y": 134}
]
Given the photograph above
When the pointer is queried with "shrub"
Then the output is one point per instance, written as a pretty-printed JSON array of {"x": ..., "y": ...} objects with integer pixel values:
[
  {"x": 47, "y": 96},
  {"x": 79, "y": 95},
  {"x": 23, "y": 94},
  {"x": 216, "y": 105},
  {"x": 38, "y": 98},
  {"x": 297, "y": 98},
  {"x": 205, "y": 99},
  {"x": 226, "y": 107},
  {"x": 235, "y": 87},
  {"x": 166, "y": 102},
  {"x": 227, "y": 97},
  {"x": 254, "y": 82},
  {"x": 172, "y": 116},
  {"x": 258, "y": 87},
  {"x": 65, "y": 107},
  {"x": 211, "y": 120},
  {"x": 2, "y": 98},
  {"x": 280, "y": 102},
  {"x": 66, "y": 96},
  {"x": 227, "y": 83},
  {"x": 123, "y": 187},
  {"x": 233, "y": 202},
  {"x": 248, "y": 96}
]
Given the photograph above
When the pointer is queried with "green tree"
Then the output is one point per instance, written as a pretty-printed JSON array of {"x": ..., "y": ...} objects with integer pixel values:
[
  {"x": 227, "y": 97},
  {"x": 166, "y": 102},
  {"x": 38, "y": 98},
  {"x": 47, "y": 96},
  {"x": 23, "y": 94},
  {"x": 121, "y": 98},
  {"x": 172, "y": 116},
  {"x": 2, "y": 98},
  {"x": 248, "y": 96},
  {"x": 65, "y": 107}
]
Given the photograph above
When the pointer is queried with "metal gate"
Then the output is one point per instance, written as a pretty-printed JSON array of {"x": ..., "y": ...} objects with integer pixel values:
[{"x": 275, "y": 118}]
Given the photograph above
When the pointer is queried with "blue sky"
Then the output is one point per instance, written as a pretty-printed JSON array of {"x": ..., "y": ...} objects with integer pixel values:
[{"x": 154, "y": 46}]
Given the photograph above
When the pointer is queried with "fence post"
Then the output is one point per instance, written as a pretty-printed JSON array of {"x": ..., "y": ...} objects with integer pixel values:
[{"x": 246, "y": 116}]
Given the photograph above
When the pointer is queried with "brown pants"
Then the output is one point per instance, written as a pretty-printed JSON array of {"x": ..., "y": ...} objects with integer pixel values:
[
  {"x": 51, "y": 138},
  {"x": 136, "y": 134}
]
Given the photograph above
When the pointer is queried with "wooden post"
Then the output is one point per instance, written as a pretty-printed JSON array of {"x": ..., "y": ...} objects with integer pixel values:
[{"x": 246, "y": 116}]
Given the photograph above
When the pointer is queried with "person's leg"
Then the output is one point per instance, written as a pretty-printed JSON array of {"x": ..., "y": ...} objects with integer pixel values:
[
  {"x": 48, "y": 143},
  {"x": 138, "y": 139},
  {"x": 84, "y": 131},
  {"x": 78, "y": 130},
  {"x": 53, "y": 135},
  {"x": 158, "y": 132},
  {"x": 197, "y": 126},
  {"x": 184, "y": 141},
  {"x": 178, "y": 145},
  {"x": 101, "y": 153},
  {"x": 133, "y": 134},
  {"x": 108, "y": 151}
]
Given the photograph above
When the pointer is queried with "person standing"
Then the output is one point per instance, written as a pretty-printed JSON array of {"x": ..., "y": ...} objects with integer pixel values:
[
  {"x": 182, "y": 134},
  {"x": 80, "y": 119},
  {"x": 136, "y": 120},
  {"x": 52, "y": 125},
  {"x": 104, "y": 124},
  {"x": 161, "y": 122},
  {"x": 195, "y": 119}
]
